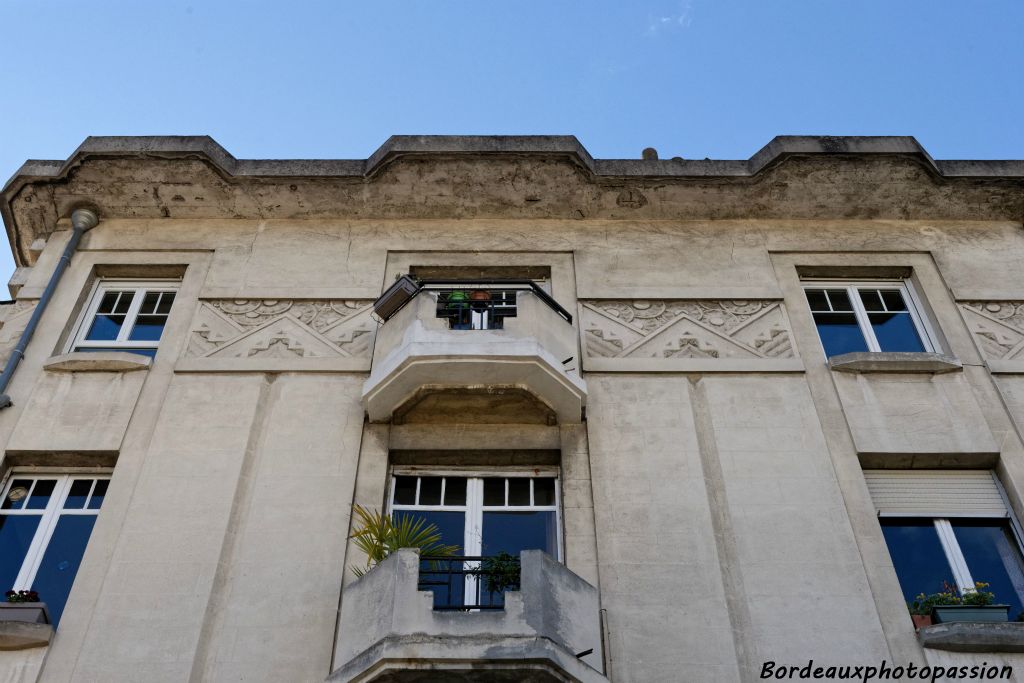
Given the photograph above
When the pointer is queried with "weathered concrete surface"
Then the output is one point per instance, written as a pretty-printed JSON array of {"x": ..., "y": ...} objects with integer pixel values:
[
  {"x": 896, "y": 362},
  {"x": 553, "y": 617},
  {"x": 415, "y": 351},
  {"x": 974, "y": 637},
  {"x": 23, "y": 635},
  {"x": 913, "y": 413}
]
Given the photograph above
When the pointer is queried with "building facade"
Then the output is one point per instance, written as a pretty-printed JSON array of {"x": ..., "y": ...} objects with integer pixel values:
[{"x": 722, "y": 418}]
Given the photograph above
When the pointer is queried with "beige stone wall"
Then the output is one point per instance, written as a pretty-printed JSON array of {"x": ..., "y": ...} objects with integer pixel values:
[{"x": 715, "y": 500}]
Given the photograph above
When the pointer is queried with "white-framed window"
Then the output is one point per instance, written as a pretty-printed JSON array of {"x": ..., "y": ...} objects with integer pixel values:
[
  {"x": 484, "y": 514},
  {"x": 949, "y": 528},
  {"x": 874, "y": 315},
  {"x": 45, "y": 524},
  {"x": 125, "y": 315}
]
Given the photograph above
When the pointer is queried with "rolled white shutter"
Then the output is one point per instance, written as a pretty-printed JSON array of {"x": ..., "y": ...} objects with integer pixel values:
[{"x": 935, "y": 493}]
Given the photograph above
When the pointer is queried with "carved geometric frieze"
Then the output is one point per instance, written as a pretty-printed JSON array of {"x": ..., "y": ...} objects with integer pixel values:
[
  {"x": 998, "y": 327},
  {"x": 280, "y": 334},
  {"x": 677, "y": 333}
]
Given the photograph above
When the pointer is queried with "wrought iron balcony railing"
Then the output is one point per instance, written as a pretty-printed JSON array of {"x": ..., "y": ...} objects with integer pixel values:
[{"x": 467, "y": 582}]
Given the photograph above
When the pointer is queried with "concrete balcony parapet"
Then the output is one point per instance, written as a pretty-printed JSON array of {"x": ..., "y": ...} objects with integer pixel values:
[
  {"x": 536, "y": 351},
  {"x": 389, "y": 630}
]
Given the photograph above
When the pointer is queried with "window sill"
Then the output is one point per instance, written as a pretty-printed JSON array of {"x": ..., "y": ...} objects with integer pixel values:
[
  {"x": 864, "y": 361},
  {"x": 974, "y": 637},
  {"x": 98, "y": 361},
  {"x": 24, "y": 625}
]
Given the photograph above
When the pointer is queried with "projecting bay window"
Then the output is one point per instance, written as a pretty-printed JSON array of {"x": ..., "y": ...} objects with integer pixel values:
[
  {"x": 949, "y": 528},
  {"x": 868, "y": 316},
  {"x": 484, "y": 516},
  {"x": 45, "y": 524},
  {"x": 125, "y": 315}
]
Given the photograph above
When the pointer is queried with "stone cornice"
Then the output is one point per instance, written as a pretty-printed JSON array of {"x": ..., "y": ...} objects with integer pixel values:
[{"x": 41, "y": 192}]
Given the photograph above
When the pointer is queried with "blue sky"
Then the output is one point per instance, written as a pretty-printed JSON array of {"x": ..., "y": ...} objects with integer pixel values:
[{"x": 693, "y": 78}]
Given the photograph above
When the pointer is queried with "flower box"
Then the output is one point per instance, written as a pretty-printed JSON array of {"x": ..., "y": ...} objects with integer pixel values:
[
  {"x": 31, "y": 612},
  {"x": 945, "y": 614}
]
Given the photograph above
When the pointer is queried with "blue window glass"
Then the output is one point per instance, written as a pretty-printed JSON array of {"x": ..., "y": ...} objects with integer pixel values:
[
  {"x": 448, "y": 588},
  {"x": 917, "y": 555},
  {"x": 110, "y": 316},
  {"x": 836, "y": 322},
  {"x": 890, "y": 320},
  {"x": 993, "y": 558},
  {"x": 61, "y": 560},
  {"x": 16, "y": 534}
]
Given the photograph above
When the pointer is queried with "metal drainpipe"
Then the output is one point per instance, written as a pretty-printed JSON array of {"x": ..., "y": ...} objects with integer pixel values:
[{"x": 81, "y": 220}]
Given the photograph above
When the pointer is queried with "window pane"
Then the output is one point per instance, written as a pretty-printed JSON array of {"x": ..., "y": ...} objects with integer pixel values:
[
  {"x": 105, "y": 327},
  {"x": 895, "y": 332},
  {"x": 77, "y": 495},
  {"x": 16, "y": 533},
  {"x": 816, "y": 299},
  {"x": 60, "y": 561},
  {"x": 109, "y": 302},
  {"x": 544, "y": 491},
  {"x": 40, "y": 496},
  {"x": 840, "y": 300},
  {"x": 98, "y": 494},
  {"x": 405, "y": 490},
  {"x": 513, "y": 532},
  {"x": 430, "y": 490},
  {"x": 993, "y": 558},
  {"x": 452, "y": 527},
  {"x": 518, "y": 491},
  {"x": 455, "y": 491},
  {"x": 148, "y": 328},
  {"x": 893, "y": 300},
  {"x": 917, "y": 555},
  {"x": 149, "y": 302},
  {"x": 16, "y": 495},
  {"x": 494, "y": 491},
  {"x": 164, "y": 307},
  {"x": 871, "y": 299},
  {"x": 839, "y": 333}
]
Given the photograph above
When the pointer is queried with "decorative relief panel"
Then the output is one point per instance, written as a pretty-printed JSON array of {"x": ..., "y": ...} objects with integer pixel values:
[
  {"x": 998, "y": 327},
  {"x": 281, "y": 329},
  {"x": 708, "y": 330}
]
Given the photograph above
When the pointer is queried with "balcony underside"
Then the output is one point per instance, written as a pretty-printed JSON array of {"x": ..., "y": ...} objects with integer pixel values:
[
  {"x": 476, "y": 659},
  {"x": 525, "y": 367}
]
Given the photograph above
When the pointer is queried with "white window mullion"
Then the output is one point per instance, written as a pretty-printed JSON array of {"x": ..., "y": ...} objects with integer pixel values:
[
  {"x": 34, "y": 555},
  {"x": 957, "y": 561},
  {"x": 473, "y": 535},
  {"x": 133, "y": 312},
  {"x": 862, "y": 319}
]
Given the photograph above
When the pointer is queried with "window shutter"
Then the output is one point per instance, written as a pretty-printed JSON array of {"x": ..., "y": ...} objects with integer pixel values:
[{"x": 935, "y": 493}]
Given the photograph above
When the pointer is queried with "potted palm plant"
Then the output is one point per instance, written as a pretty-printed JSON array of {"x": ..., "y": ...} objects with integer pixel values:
[{"x": 378, "y": 535}]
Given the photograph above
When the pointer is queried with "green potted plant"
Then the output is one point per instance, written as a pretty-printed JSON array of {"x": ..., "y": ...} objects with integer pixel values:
[
  {"x": 24, "y": 606},
  {"x": 501, "y": 572},
  {"x": 921, "y": 611},
  {"x": 975, "y": 605}
]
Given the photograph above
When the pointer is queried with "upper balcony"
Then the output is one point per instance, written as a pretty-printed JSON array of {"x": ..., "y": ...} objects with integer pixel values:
[
  {"x": 449, "y": 337},
  {"x": 392, "y": 630}
]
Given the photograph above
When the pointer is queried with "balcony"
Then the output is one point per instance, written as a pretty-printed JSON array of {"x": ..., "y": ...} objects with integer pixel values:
[
  {"x": 391, "y": 630},
  {"x": 460, "y": 340}
]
